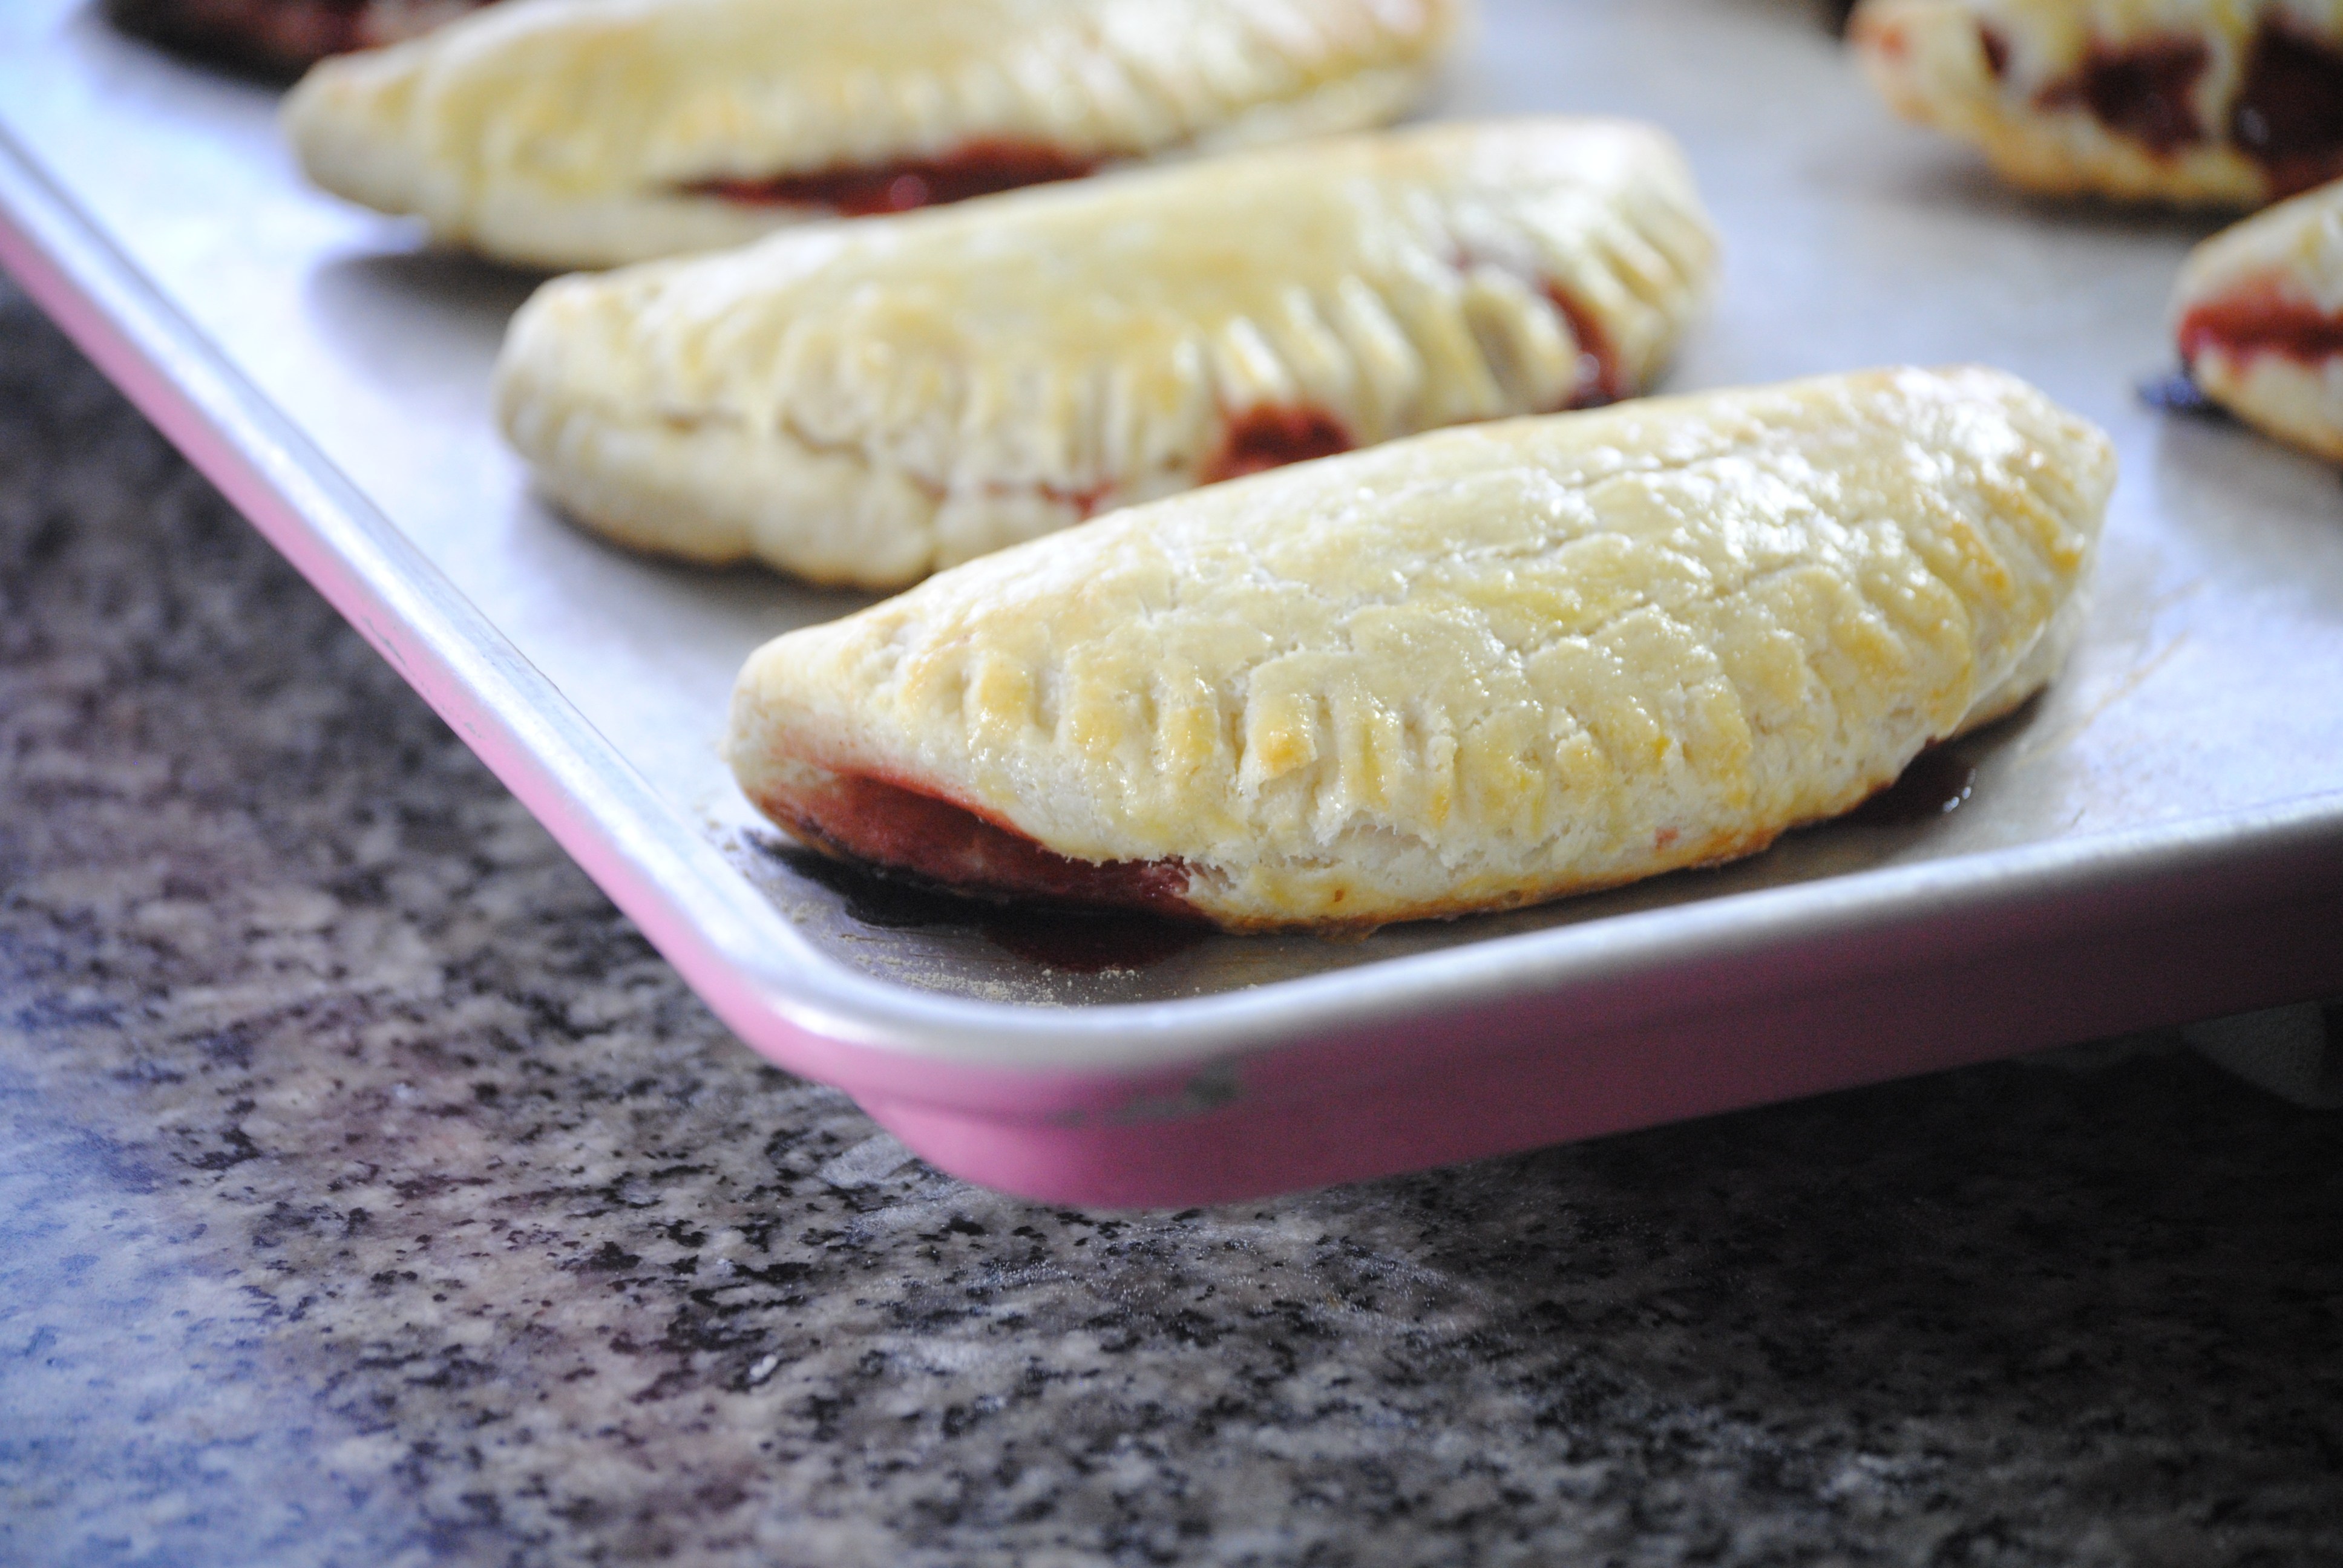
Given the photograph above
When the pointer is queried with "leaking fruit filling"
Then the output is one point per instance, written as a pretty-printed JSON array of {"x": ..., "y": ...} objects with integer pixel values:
[
  {"x": 1262, "y": 439},
  {"x": 2142, "y": 91},
  {"x": 1599, "y": 378},
  {"x": 886, "y": 824},
  {"x": 2288, "y": 115},
  {"x": 1997, "y": 51},
  {"x": 2262, "y": 319},
  {"x": 981, "y": 168},
  {"x": 277, "y": 37}
]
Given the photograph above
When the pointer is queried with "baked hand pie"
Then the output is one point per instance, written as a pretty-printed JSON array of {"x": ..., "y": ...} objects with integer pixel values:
[
  {"x": 866, "y": 402},
  {"x": 2230, "y": 102},
  {"x": 2258, "y": 314},
  {"x": 282, "y": 37},
  {"x": 1471, "y": 670},
  {"x": 587, "y": 133}
]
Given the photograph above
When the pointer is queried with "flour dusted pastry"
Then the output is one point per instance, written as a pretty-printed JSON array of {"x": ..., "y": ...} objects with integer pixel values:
[
  {"x": 866, "y": 402},
  {"x": 282, "y": 37},
  {"x": 2199, "y": 102},
  {"x": 2258, "y": 314},
  {"x": 585, "y": 133},
  {"x": 1471, "y": 670}
]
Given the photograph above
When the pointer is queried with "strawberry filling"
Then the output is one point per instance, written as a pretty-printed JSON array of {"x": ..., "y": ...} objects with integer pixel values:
[
  {"x": 2261, "y": 318},
  {"x": 2141, "y": 91},
  {"x": 2288, "y": 114},
  {"x": 865, "y": 818},
  {"x": 1601, "y": 378},
  {"x": 1263, "y": 438},
  {"x": 979, "y": 168},
  {"x": 2289, "y": 110}
]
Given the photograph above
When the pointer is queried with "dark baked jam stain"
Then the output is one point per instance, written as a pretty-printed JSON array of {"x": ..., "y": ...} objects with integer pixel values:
[
  {"x": 278, "y": 39},
  {"x": 1997, "y": 51},
  {"x": 2262, "y": 319},
  {"x": 979, "y": 168},
  {"x": 1601, "y": 378},
  {"x": 1088, "y": 943},
  {"x": 1937, "y": 784},
  {"x": 1262, "y": 439},
  {"x": 2288, "y": 115},
  {"x": 1077, "y": 941},
  {"x": 2141, "y": 91},
  {"x": 2179, "y": 394}
]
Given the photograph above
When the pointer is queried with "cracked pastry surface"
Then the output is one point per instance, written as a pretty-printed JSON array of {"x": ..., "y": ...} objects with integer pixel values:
[
  {"x": 2222, "y": 103},
  {"x": 2258, "y": 316},
  {"x": 1471, "y": 670},
  {"x": 865, "y": 403},
  {"x": 588, "y": 133}
]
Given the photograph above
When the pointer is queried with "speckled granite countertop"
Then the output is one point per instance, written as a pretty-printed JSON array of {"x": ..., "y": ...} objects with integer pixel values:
[{"x": 371, "y": 1194}]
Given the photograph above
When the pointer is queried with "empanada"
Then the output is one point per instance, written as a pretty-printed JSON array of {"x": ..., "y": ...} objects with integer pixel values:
[
  {"x": 1475, "y": 669},
  {"x": 282, "y": 37},
  {"x": 866, "y": 402},
  {"x": 2259, "y": 313},
  {"x": 2198, "y": 102},
  {"x": 585, "y": 133}
]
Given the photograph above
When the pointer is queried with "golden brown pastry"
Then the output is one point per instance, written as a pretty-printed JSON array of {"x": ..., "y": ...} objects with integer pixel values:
[
  {"x": 866, "y": 402},
  {"x": 1471, "y": 670},
  {"x": 585, "y": 133},
  {"x": 282, "y": 37},
  {"x": 2229, "y": 103},
  {"x": 2258, "y": 314}
]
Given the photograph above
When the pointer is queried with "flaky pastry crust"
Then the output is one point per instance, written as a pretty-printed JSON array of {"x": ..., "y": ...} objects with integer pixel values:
[
  {"x": 2258, "y": 316},
  {"x": 1471, "y": 670},
  {"x": 2215, "y": 102},
  {"x": 866, "y": 402},
  {"x": 588, "y": 133}
]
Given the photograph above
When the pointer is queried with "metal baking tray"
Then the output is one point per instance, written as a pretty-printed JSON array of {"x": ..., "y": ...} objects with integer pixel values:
[{"x": 2160, "y": 837}]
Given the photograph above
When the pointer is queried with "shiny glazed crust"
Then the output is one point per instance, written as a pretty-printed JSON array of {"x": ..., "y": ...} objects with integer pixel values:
[
  {"x": 570, "y": 133},
  {"x": 2293, "y": 254},
  {"x": 1930, "y": 60},
  {"x": 865, "y": 403},
  {"x": 1482, "y": 667}
]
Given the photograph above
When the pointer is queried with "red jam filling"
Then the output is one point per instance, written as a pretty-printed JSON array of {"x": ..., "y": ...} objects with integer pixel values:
[
  {"x": 1997, "y": 51},
  {"x": 2261, "y": 318},
  {"x": 939, "y": 841},
  {"x": 1262, "y": 439},
  {"x": 979, "y": 168},
  {"x": 273, "y": 36},
  {"x": 1599, "y": 378},
  {"x": 2288, "y": 115},
  {"x": 2141, "y": 91}
]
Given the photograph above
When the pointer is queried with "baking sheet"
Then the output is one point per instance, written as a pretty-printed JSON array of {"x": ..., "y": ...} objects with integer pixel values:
[{"x": 1850, "y": 240}]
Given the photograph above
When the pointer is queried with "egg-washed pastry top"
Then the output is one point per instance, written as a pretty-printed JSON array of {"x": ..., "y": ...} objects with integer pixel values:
[
  {"x": 864, "y": 403},
  {"x": 281, "y": 37},
  {"x": 1471, "y": 670},
  {"x": 2199, "y": 102},
  {"x": 585, "y": 133},
  {"x": 2258, "y": 314}
]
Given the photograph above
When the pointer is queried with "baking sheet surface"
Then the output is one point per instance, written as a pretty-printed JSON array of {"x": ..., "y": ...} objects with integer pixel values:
[{"x": 1850, "y": 240}]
